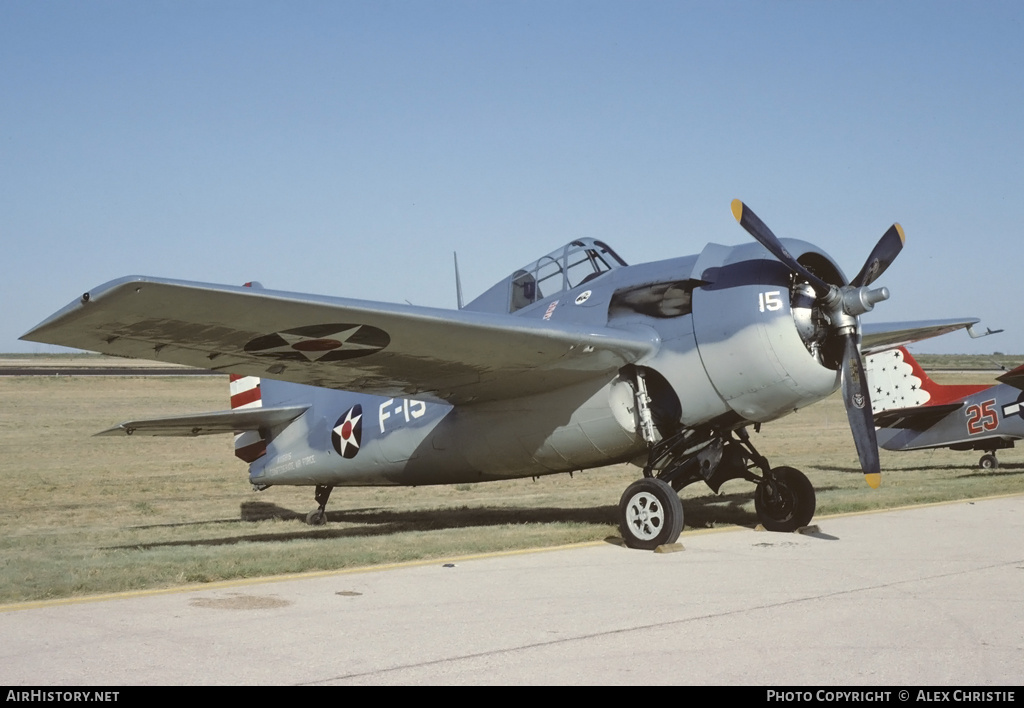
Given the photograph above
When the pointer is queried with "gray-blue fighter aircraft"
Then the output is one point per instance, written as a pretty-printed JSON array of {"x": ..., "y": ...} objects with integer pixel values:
[{"x": 573, "y": 361}]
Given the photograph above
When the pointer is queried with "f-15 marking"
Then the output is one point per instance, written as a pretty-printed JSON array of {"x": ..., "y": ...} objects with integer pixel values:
[{"x": 406, "y": 408}]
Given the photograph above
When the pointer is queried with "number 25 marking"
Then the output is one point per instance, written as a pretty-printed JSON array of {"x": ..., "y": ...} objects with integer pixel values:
[{"x": 981, "y": 417}]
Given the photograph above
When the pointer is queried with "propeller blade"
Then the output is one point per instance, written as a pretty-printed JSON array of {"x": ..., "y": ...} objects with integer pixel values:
[
  {"x": 882, "y": 256},
  {"x": 857, "y": 398},
  {"x": 763, "y": 235},
  {"x": 843, "y": 305}
]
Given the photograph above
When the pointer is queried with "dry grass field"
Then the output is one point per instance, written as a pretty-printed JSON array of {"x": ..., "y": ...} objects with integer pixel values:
[{"x": 83, "y": 515}]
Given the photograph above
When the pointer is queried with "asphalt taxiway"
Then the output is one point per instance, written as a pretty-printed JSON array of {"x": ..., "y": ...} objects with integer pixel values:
[{"x": 925, "y": 596}]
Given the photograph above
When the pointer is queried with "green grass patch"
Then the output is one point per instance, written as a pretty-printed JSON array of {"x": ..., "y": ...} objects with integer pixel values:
[{"x": 82, "y": 515}]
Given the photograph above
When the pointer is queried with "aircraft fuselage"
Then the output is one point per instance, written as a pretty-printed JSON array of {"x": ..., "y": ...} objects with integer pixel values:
[{"x": 728, "y": 352}]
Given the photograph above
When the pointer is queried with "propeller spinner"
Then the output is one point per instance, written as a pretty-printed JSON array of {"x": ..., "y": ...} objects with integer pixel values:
[{"x": 843, "y": 304}]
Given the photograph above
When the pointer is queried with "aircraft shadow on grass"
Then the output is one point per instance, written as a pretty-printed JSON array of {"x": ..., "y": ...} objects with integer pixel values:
[
  {"x": 726, "y": 509},
  {"x": 1004, "y": 470},
  {"x": 386, "y": 522}
]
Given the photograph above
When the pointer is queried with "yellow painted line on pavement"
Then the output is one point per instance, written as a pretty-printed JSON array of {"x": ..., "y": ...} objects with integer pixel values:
[{"x": 242, "y": 582}]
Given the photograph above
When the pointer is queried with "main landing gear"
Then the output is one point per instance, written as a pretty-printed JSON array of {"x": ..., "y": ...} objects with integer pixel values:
[
  {"x": 988, "y": 461},
  {"x": 989, "y": 447},
  {"x": 650, "y": 513},
  {"x": 784, "y": 500}
]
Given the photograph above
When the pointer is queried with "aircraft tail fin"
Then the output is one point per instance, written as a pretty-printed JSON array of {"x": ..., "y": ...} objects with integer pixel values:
[
  {"x": 245, "y": 393},
  {"x": 898, "y": 381}
]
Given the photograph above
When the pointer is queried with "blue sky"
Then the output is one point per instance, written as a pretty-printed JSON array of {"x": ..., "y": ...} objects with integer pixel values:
[{"x": 348, "y": 148}]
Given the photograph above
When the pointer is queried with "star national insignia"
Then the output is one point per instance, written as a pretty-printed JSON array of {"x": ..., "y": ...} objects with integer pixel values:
[
  {"x": 320, "y": 343},
  {"x": 348, "y": 432}
]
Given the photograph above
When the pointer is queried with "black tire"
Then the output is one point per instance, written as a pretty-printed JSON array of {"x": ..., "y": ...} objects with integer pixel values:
[
  {"x": 317, "y": 517},
  {"x": 988, "y": 462},
  {"x": 650, "y": 514},
  {"x": 786, "y": 502}
]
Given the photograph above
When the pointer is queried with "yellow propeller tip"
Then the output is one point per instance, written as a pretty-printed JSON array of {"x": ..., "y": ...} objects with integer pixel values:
[
  {"x": 873, "y": 480},
  {"x": 737, "y": 209},
  {"x": 899, "y": 230}
]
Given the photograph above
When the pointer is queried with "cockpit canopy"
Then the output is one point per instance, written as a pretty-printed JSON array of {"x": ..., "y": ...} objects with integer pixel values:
[{"x": 571, "y": 265}]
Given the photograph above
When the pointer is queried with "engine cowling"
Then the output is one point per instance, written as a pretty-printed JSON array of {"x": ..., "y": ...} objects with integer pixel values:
[
  {"x": 764, "y": 358},
  {"x": 755, "y": 345}
]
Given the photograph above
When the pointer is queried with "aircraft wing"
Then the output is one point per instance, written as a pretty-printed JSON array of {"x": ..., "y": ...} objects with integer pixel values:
[
  {"x": 233, "y": 421},
  {"x": 918, "y": 418},
  {"x": 393, "y": 350},
  {"x": 889, "y": 335}
]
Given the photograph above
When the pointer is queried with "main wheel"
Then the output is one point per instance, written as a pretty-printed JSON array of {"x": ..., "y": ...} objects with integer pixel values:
[
  {"x": 785, "y": 500},
  {"x": 650, "y": 514},
  {"x": 317, "y": 517},
  {"x": 988, "y": 462}
]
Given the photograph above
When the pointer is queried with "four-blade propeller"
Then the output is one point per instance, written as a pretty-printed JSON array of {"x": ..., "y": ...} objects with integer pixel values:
[{"x": 843, "y": 304}]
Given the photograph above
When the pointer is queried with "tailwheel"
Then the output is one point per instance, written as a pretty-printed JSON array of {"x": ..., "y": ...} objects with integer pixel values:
[
  {"x": 784, "y": 500},
  {"x": 650, "y": 514},
  {"x": 318, "y": 517}
]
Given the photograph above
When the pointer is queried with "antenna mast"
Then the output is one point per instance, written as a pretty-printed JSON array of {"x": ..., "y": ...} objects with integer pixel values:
[{"x": 458, "y": 283}]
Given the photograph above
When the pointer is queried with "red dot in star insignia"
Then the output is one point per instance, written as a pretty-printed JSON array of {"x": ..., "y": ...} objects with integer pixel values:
[{"x": 316, "y": 345}]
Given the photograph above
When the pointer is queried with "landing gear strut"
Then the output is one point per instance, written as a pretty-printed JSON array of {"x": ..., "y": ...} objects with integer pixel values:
[
  {"x": 318, "y": 517},
  {"x": 650, "y": 513}
]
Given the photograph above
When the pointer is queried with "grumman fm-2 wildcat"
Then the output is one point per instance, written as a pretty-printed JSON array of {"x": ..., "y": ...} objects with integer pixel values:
[{"x": 572, "y": 362}]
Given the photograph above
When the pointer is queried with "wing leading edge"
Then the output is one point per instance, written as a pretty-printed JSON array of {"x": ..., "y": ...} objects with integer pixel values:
[
  {"x": 889, "y": 335},
  {"x": 455, "y": 356}
]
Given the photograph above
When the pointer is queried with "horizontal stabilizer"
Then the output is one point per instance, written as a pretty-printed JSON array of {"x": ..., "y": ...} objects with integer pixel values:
[
  {"x": 232, "y": 421},
  {"x": 1014, "y": 378},
  {"x": 917, "y": 418}
]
